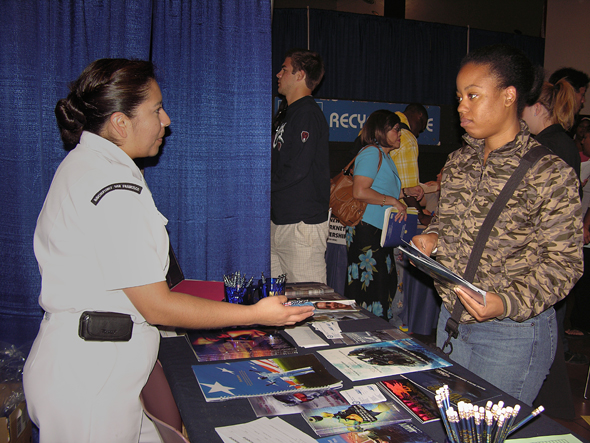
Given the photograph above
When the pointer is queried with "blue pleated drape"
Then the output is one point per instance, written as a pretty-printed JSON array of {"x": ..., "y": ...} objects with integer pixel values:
[
  {"x": 385, "y": 59},
  {"x": 212, "y": 179},
  {"x": 45, "y": 45}
]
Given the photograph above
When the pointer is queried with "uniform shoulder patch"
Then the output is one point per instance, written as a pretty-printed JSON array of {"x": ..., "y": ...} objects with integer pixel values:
[{"x": 115, "y": 187}]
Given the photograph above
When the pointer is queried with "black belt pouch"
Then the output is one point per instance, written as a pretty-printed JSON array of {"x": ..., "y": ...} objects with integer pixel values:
[{"x": 105, "y": 326}]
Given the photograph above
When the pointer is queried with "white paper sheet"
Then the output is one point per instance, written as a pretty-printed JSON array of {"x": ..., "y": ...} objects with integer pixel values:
[
  {"x": 305, "y": 337},
  {"x": 263, "y": 430}
]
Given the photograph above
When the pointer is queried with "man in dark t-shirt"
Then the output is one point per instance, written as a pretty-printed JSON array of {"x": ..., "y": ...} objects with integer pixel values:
[{"x": 300, "y": 173}]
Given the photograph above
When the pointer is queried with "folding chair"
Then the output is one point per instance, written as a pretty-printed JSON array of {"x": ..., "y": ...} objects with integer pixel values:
[{"x": 160, "y": 406}]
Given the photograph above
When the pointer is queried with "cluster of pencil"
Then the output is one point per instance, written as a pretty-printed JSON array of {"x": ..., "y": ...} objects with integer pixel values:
[
  {"x": 473, "y": 424},
  {"x": 236, "y": 280}
]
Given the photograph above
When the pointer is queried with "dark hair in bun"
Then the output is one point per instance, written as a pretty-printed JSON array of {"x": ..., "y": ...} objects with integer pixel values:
[{"x": 106, "y": 86}]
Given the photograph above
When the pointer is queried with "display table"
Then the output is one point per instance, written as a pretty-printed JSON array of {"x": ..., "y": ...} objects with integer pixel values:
[{"x": 201, "y": 418}]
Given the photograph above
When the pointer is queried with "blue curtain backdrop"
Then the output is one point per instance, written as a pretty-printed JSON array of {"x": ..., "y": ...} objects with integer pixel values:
[
  {"x": 212, "y": 181},
  {"x": 385, "y": 59}
]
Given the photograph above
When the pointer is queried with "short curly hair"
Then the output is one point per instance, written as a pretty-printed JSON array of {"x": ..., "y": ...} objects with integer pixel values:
[{"x": 309, "y": 62}]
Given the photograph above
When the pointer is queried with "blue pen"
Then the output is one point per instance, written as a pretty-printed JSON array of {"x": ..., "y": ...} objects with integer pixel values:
[
  {"x": 515, "y": 412},
  {"x": 499, "y": 430},
  {"x": 468, "y": 408},
  {"x": 477, "y": 419},
  {"x": 509, "y": 420},
  {"x": 444, "y": 418},
  {"x": 454, "y": 423},
  {"x": 525, "y": 420},
  {"x": 489, "y": 425},
  {"x": 462, "y": 425}
]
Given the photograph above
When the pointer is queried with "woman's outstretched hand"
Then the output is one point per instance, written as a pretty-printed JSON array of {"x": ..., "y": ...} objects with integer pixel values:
[{"x": 271, "y": 311}]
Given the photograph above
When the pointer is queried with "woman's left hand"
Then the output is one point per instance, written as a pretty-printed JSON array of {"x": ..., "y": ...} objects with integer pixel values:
[
  {"x": 402, "y": 211},
  {"x": 493, "y": 308}
]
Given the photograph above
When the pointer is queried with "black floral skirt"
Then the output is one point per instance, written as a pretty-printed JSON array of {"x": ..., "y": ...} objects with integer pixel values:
[{"x": 371, "y": 272}]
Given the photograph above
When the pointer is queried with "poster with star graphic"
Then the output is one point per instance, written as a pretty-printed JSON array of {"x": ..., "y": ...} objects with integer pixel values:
[{"x": 222, "y": 381}]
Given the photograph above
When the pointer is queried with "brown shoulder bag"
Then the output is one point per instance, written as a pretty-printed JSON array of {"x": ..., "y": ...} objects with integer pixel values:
[{"x": 347, "y": 209}]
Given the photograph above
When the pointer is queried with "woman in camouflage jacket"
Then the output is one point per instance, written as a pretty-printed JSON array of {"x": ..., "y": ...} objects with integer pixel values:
[{"x": 533, "y": 255}]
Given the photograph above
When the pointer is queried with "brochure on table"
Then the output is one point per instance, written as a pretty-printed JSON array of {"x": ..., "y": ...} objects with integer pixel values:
[
  {"x": 399, "y": 433},
  {"x": 416, "y": 402},
  {"x": 460, "y": 388},
  {"x": 235, "y": 343},
  {"x": 339, "y": 419},
  {"x": 375, "y": 360},
  {"x": 307, "y": 289},
  {"x": 252, "y": 378},
  {"x": 263, "y": 430},
  {"x": 295, "y": 403}
]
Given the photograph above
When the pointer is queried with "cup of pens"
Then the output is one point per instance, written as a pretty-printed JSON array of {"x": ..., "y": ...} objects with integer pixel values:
[
  {"x": 236, "y": 288},
  {"x": 276, "y": 286},
  {"x": 476, "y": 424},
  {"x": 272, "y": 286}
]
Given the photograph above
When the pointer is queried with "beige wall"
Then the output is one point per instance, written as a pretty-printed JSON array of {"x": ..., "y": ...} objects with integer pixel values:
[{"x": 567, "y": 41}]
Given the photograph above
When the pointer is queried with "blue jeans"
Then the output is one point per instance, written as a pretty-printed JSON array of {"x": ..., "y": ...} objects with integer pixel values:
[{"x": 513, "y": 356}]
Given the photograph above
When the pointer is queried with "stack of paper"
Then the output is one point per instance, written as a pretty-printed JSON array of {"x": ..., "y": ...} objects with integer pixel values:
[{"x": 440, "y": 273}]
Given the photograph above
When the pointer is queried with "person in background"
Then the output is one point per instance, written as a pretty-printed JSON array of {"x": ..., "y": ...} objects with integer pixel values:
[
  {"x": 414, "y": 120},
  {"x": 580, "y": 314},
  {"x": 427, "y": 205},
  {"x": 431, "y": 198},
  {"x": 103, "y": 249},
  {"x": 370, "y": 266},
  {"x": 550, "y": 118},
  {"x": 528, "y": 264},
  {"x": 581, "y": 129},
  {"x": 300, "y": 173},
  {"x": 578, "y": 79}
]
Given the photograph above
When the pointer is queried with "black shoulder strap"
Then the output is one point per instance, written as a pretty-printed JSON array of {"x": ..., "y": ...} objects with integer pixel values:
[
  {"x": 402, "y": 125},
  {"x": 528, "y": 160}
]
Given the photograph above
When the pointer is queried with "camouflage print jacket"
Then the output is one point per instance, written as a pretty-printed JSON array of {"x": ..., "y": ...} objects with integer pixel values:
[{"x": 533, "y": 256}]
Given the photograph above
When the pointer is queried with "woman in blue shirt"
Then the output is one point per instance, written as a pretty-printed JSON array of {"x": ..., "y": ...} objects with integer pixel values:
[{"x": 370, "y": 279}]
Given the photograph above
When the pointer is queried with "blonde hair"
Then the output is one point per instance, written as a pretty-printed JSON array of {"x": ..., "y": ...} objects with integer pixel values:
[{"x": 560, "y": 102}]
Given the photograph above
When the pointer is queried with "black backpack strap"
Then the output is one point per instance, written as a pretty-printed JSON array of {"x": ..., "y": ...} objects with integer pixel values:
[
  {"x": 402, "y": 125},
  {"x": 528, "y": 160}
]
